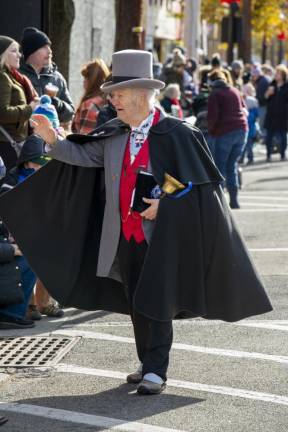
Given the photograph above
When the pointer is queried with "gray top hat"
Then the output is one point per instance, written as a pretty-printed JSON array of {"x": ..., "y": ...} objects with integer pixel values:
[{"x": 133, "y": 69}]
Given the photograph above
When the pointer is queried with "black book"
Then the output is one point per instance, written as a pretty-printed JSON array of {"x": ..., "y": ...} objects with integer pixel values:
[{"x": 146, "y": 187}]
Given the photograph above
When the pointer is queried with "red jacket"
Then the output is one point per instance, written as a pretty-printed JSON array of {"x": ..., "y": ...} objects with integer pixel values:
[{"x": 131, "y": 220}]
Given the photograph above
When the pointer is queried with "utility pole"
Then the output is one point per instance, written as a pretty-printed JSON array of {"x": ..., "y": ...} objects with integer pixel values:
[
  {"x": 264, "y": 48},
  {"x": 246, "y": 45},
  {"x": 233, "y": 8},
  {"x": 129, "y": 30},
  {"x": 192, "y": 27}
]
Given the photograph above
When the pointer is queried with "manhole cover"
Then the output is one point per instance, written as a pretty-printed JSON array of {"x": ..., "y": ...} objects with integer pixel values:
[{"x": 34, "y": 351}]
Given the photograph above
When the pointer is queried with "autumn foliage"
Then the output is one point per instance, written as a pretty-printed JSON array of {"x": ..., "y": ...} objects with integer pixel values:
[{"x": 269, "y": 17}]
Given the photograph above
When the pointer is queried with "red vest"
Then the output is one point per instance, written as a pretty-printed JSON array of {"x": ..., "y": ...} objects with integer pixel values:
[{"x": 131, "y": 220}]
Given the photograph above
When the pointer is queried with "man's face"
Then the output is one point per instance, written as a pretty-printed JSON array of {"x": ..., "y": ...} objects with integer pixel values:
[
  {"x": 42, "y": 57},
  {"x": 237, "y": 72},
  {"x": 124, "y": 103}
]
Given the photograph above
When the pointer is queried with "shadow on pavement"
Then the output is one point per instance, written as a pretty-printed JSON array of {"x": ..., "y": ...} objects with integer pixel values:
[{"x": 121, "y": 403}]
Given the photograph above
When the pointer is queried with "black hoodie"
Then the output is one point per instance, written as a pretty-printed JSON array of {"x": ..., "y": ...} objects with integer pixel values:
[{"x": 62, "y": 102}]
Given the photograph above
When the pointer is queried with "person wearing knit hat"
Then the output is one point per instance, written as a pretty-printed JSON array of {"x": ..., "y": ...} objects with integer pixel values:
[
  {"x": 261, "y": 84},
  {"x": 38, "y": 67},
  {"x": 32, "y": 40},
  {"x": 5, "y": 42},
  {"x": 178, "y": 58},
  {"x": 17, "y": 101},
  {"x": 237, "y": 69},
  {"x": 173, "y": 72}
]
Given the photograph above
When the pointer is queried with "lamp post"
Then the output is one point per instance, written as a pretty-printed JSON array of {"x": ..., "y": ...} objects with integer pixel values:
[
  {"x": 192, "y": 27},
  {"x": 246, "y": 38},
  {"x": 233, "y": 8},
  {"x": 281, "y": 38}
]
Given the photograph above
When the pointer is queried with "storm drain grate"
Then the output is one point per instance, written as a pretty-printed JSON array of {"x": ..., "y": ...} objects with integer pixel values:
[{"x": 34, "y": 351}]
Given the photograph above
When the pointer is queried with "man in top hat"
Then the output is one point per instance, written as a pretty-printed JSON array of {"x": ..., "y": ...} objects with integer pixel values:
[
  {"x": 180, "y": 257},
  {"x": 43, "y": 73}
]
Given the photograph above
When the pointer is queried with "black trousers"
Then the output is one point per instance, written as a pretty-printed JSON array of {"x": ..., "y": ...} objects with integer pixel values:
[{"x": 153, "y": 338}]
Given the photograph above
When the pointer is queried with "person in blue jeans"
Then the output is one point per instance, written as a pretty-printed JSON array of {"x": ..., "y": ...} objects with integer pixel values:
[
  {"x": 228, "y": 126},
  {"x": 253, "y": 116},
  {"x": 13, "y": 316},
  {"x": 228, "y": 149},
  {"x": 30, "y": 160}
]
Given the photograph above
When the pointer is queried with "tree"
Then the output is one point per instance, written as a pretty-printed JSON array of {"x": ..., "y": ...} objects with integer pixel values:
[
  {"x": 129, "y": 15},
  {"x": 266, "y": 17},
  {"x": 245, "y": 47},
  {"x": 268, "y": 21},
  {"x": 61, "y": 17},
  {"x": 212, "y": 11}
]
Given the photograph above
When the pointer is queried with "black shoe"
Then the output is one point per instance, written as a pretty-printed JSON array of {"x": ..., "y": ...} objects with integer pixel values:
[
  {"x": 233, "y": 193},
  {"x": 33, "y": 313},
  {"x": 234, "y": 205},
  {"x": 9, "y": 322},
  {"x": 268, "y": 159},
  {"x": 134, "y": 378},
  {"x": 3, "y": 420},
  {"x": 150, "y": 388}
]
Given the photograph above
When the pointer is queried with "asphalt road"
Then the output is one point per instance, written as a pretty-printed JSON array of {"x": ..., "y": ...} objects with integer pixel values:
[{"x": 223, "y": 377}]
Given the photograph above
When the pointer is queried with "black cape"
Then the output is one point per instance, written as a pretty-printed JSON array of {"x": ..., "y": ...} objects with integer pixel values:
[{"x": 196, "y": 263}]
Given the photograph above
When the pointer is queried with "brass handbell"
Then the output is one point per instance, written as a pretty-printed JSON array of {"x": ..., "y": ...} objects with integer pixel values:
[{"x": 171, "y": 184}]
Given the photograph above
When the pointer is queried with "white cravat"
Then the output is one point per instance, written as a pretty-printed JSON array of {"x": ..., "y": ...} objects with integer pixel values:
[{"x": 139, "y": 135}]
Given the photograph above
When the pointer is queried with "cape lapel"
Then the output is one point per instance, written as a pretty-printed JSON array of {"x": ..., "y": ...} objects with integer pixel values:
[{"x": 115, "y": 154}]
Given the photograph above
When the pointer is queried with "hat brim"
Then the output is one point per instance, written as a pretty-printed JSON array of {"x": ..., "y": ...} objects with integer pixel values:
[
  {"x": 42, "y": 160},
  {"x": 145, "y": 83}
]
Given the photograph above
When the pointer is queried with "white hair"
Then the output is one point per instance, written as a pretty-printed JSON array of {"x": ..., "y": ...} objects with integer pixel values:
[
  {"x": 149, "y": 94},
  {"x": 4, "y": 55},
  {"x": 172, "y": 91}
]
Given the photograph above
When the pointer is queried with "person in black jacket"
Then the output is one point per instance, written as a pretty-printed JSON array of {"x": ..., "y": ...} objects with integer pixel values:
[
  {"x": 106, "y": 113},
  {"x": 261, "y": 84},
  {"x": 16, "y": 269},
  {"x": 277, "y": 112},
  {"x": 38, "y": 67},
  {"x": 11, "y": 267}
]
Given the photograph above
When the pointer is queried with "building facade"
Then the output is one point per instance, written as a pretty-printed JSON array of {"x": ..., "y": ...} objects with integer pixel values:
[
  {"x": 92, "y": 35},
  {"x": 163, "y": 24}
]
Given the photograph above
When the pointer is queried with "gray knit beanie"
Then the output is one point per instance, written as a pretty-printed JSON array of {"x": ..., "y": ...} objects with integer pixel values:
[{"x": 5, "y": 42}]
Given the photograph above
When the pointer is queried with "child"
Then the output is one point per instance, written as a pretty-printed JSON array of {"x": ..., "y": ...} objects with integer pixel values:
[{"x": 253, "y": 114}]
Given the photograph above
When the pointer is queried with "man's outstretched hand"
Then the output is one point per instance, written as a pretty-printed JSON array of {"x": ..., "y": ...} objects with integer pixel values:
[{"x": 43, "y": 128}]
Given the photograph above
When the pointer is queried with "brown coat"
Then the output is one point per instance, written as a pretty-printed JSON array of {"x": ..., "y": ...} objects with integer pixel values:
[{"x": 14, "y": 110}]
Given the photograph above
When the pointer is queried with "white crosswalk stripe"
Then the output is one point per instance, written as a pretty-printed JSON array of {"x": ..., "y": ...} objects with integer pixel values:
[
  {"x": 81, "y": 418},
  {"x": 177, "y": 346},
  {"x": 228, "y": 391}
]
